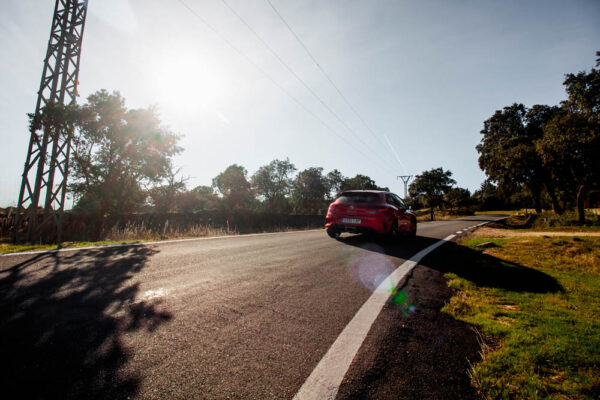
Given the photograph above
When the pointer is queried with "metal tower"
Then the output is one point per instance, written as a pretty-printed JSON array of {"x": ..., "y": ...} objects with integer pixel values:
[
  {"x": 47, "y": 163},
  {"x": 405, "y": 179}
]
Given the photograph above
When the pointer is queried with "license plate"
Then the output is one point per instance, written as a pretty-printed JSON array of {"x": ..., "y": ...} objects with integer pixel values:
[{"x": 351, "y": 220}]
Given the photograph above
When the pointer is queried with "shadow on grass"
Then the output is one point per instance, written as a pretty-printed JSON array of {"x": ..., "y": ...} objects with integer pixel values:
[
  {"x": 482, "y": 269},
  {"x": 63, "y": 315},
  {"x": 415, "y": 350}
]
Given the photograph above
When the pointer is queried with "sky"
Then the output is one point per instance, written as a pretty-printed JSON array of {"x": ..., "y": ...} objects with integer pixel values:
[{"x": 418, "y": 78}]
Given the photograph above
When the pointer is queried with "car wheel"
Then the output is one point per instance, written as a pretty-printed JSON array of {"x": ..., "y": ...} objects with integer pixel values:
[
  {"x": 413, "y": 232},
  {"x": 333, "y": 233},
  {"x": 394, "y": 233}
]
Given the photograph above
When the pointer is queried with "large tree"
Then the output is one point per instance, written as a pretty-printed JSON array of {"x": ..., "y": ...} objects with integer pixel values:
[
  {"x": 432, "y": 185},
  {"x": 310, "y": 189},
  {"x": 273, "y": 183},
  {"x": 335, "y": 179},
  {"x": 165, "y": 198},
  {"x": 458, "y": 198},
  {"x": 360, "y": 182},
  {"x": 508, "y": 153},
  {"x": 117, "y": 153},
  {"x": 233, "y": 185},
  {"x": 571, "y": 140}
]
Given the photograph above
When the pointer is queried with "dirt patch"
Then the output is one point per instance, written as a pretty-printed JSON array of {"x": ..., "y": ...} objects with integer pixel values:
[{"x": 510, "y": 233}]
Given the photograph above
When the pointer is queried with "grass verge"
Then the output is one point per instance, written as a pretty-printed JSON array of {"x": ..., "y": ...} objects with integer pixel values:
[
  {"x": 19, "y": 248},
  {"x": 498, "y": 212},
  {"x": 547, "y": 343}
]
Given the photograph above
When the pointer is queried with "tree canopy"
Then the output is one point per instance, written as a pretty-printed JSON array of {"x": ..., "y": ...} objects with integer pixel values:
[
  {"x": 310, "y": 189},
  {"x": 432, "y": 185},
  {"x": 360, "y": 182},
  {"x": 508, "y": 153},
  {"x": 551, "y": 150},
  {"x": 273, "y": 182},
  {"x": 116, "y": 153},
  {"x": 233, "y": 185}
]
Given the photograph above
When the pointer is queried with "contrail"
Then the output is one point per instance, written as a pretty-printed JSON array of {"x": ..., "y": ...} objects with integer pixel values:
[{"x": 396, "y": 154}]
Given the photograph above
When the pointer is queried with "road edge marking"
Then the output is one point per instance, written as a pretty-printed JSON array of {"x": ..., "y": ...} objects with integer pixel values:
[{"x": 324, "y": 381}]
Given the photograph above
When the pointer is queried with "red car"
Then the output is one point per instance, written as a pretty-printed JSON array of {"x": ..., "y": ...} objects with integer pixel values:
[{"x": 370, "y": 211}]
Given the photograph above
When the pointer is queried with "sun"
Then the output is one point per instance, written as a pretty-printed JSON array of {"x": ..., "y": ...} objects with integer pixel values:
[{"x": 185, "y": 82}]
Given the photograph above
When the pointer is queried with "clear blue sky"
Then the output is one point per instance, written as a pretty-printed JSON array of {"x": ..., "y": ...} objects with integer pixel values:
[{"x": 424, "y": 75}]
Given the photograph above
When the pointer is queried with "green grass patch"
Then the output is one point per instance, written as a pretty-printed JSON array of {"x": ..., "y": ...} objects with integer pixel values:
[{"x": 548, "y": 342}]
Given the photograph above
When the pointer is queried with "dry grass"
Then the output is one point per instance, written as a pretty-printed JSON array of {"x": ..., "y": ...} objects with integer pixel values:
[
  {"x": 513, "y": 233},
  {"x": 141, "y": 232}
]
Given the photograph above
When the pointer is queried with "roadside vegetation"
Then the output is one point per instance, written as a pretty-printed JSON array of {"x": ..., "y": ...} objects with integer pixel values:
[
  {"x": 549, "y": 221},
  {"x": 540, "y": 336},
  {"x": 8, "y": 247}
]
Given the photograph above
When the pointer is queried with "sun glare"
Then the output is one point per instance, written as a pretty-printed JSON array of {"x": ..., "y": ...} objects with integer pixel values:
[{"x": 184, "y": 82}]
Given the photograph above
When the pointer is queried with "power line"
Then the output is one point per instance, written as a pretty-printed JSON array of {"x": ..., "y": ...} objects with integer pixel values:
[
  {"x": 315, "y": 95},
  {"x": 266, "y": 75},
  {"x": 326, "y": 75}
]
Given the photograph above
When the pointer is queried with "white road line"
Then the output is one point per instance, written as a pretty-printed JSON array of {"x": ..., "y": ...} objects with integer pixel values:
[
  {"x": 148, "y": 243},
  {"x": 325, "y": 380},
  {"x": 458, "y": 232}
]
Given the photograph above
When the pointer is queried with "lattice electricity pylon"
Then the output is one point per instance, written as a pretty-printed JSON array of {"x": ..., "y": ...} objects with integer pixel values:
[
  {"x": 59, "y": 84},
  {"x": 405, "y": 179}
]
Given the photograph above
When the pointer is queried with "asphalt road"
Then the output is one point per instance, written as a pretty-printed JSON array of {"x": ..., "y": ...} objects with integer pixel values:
[{"x": 246, "y": 317}]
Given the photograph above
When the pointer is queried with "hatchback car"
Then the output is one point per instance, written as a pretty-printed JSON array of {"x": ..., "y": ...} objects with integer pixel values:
[{"x": 370, "y": 211}]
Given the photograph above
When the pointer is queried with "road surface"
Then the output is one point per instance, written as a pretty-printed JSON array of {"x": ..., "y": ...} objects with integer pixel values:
[{"x": 245, "y": 317}]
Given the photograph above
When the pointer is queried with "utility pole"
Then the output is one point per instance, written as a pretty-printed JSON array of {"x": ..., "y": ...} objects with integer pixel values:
[
  {"x": 405, "y": 179},
  {"x": 47, "y": 162}
]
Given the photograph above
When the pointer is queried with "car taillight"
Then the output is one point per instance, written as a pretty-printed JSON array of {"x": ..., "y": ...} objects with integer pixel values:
[
  {"x": 382, "y": 210},
  {"x": 332, "y": 209}
]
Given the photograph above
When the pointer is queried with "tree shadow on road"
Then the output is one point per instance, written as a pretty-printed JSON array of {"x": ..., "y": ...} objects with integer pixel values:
[
  {"x": 473, "y": 265},
  {"x": 414, "y": 351},
  {"x": 63, "y": 315}
]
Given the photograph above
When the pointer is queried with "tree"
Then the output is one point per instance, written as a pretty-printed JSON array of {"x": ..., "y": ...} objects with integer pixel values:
[
  {"x": 165, "y": 197},
  {"x": 309, "y": 191},
  {"x": 432, "y": 185},
  {"x": 572, "y": 142},
  {"x": 273, "y": 183},
  {"x": 508, "y": 153},
  {"x": 571, "y": 139},
  {"x": 116, "y": 153},
  {"x": 233, "y": 185},
  {"x": 550, "y": 177},
  {"x": 360, "y": 182},
  {"x": 335, "y": 179},
  {"x": 458, "y": 198}
]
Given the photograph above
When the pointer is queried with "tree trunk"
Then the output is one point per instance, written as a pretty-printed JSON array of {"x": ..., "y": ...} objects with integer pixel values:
[
  {"x": 537, "y": 202},
  {"x": 580, "y": 197},
  {"x": 432, "y": 212},
  {"x": 555, "y": 205}
]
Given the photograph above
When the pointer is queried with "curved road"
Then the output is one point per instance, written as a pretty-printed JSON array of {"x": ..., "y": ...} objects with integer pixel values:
[{"x": 244, "y": 317}]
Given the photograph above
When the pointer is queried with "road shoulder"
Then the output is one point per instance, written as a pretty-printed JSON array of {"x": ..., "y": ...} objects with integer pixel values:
[{"x": 414, "y": 350}]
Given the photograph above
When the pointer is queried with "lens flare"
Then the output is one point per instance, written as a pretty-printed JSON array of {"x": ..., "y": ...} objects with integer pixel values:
[{"x": 372, "y": 269}]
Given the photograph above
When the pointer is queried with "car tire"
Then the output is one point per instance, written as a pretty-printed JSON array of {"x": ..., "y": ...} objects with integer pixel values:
[
  {"x": 333, "y": 233},
  {"x": 394, "y": 233},
  {"x": 413, "y": 232}
]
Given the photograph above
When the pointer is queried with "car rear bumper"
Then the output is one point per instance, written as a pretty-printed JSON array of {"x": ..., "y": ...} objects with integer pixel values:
[{"x": 367, "y": 225}]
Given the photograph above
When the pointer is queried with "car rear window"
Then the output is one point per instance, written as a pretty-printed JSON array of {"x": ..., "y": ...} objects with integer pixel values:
[{"x": 359, "y": 198}]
